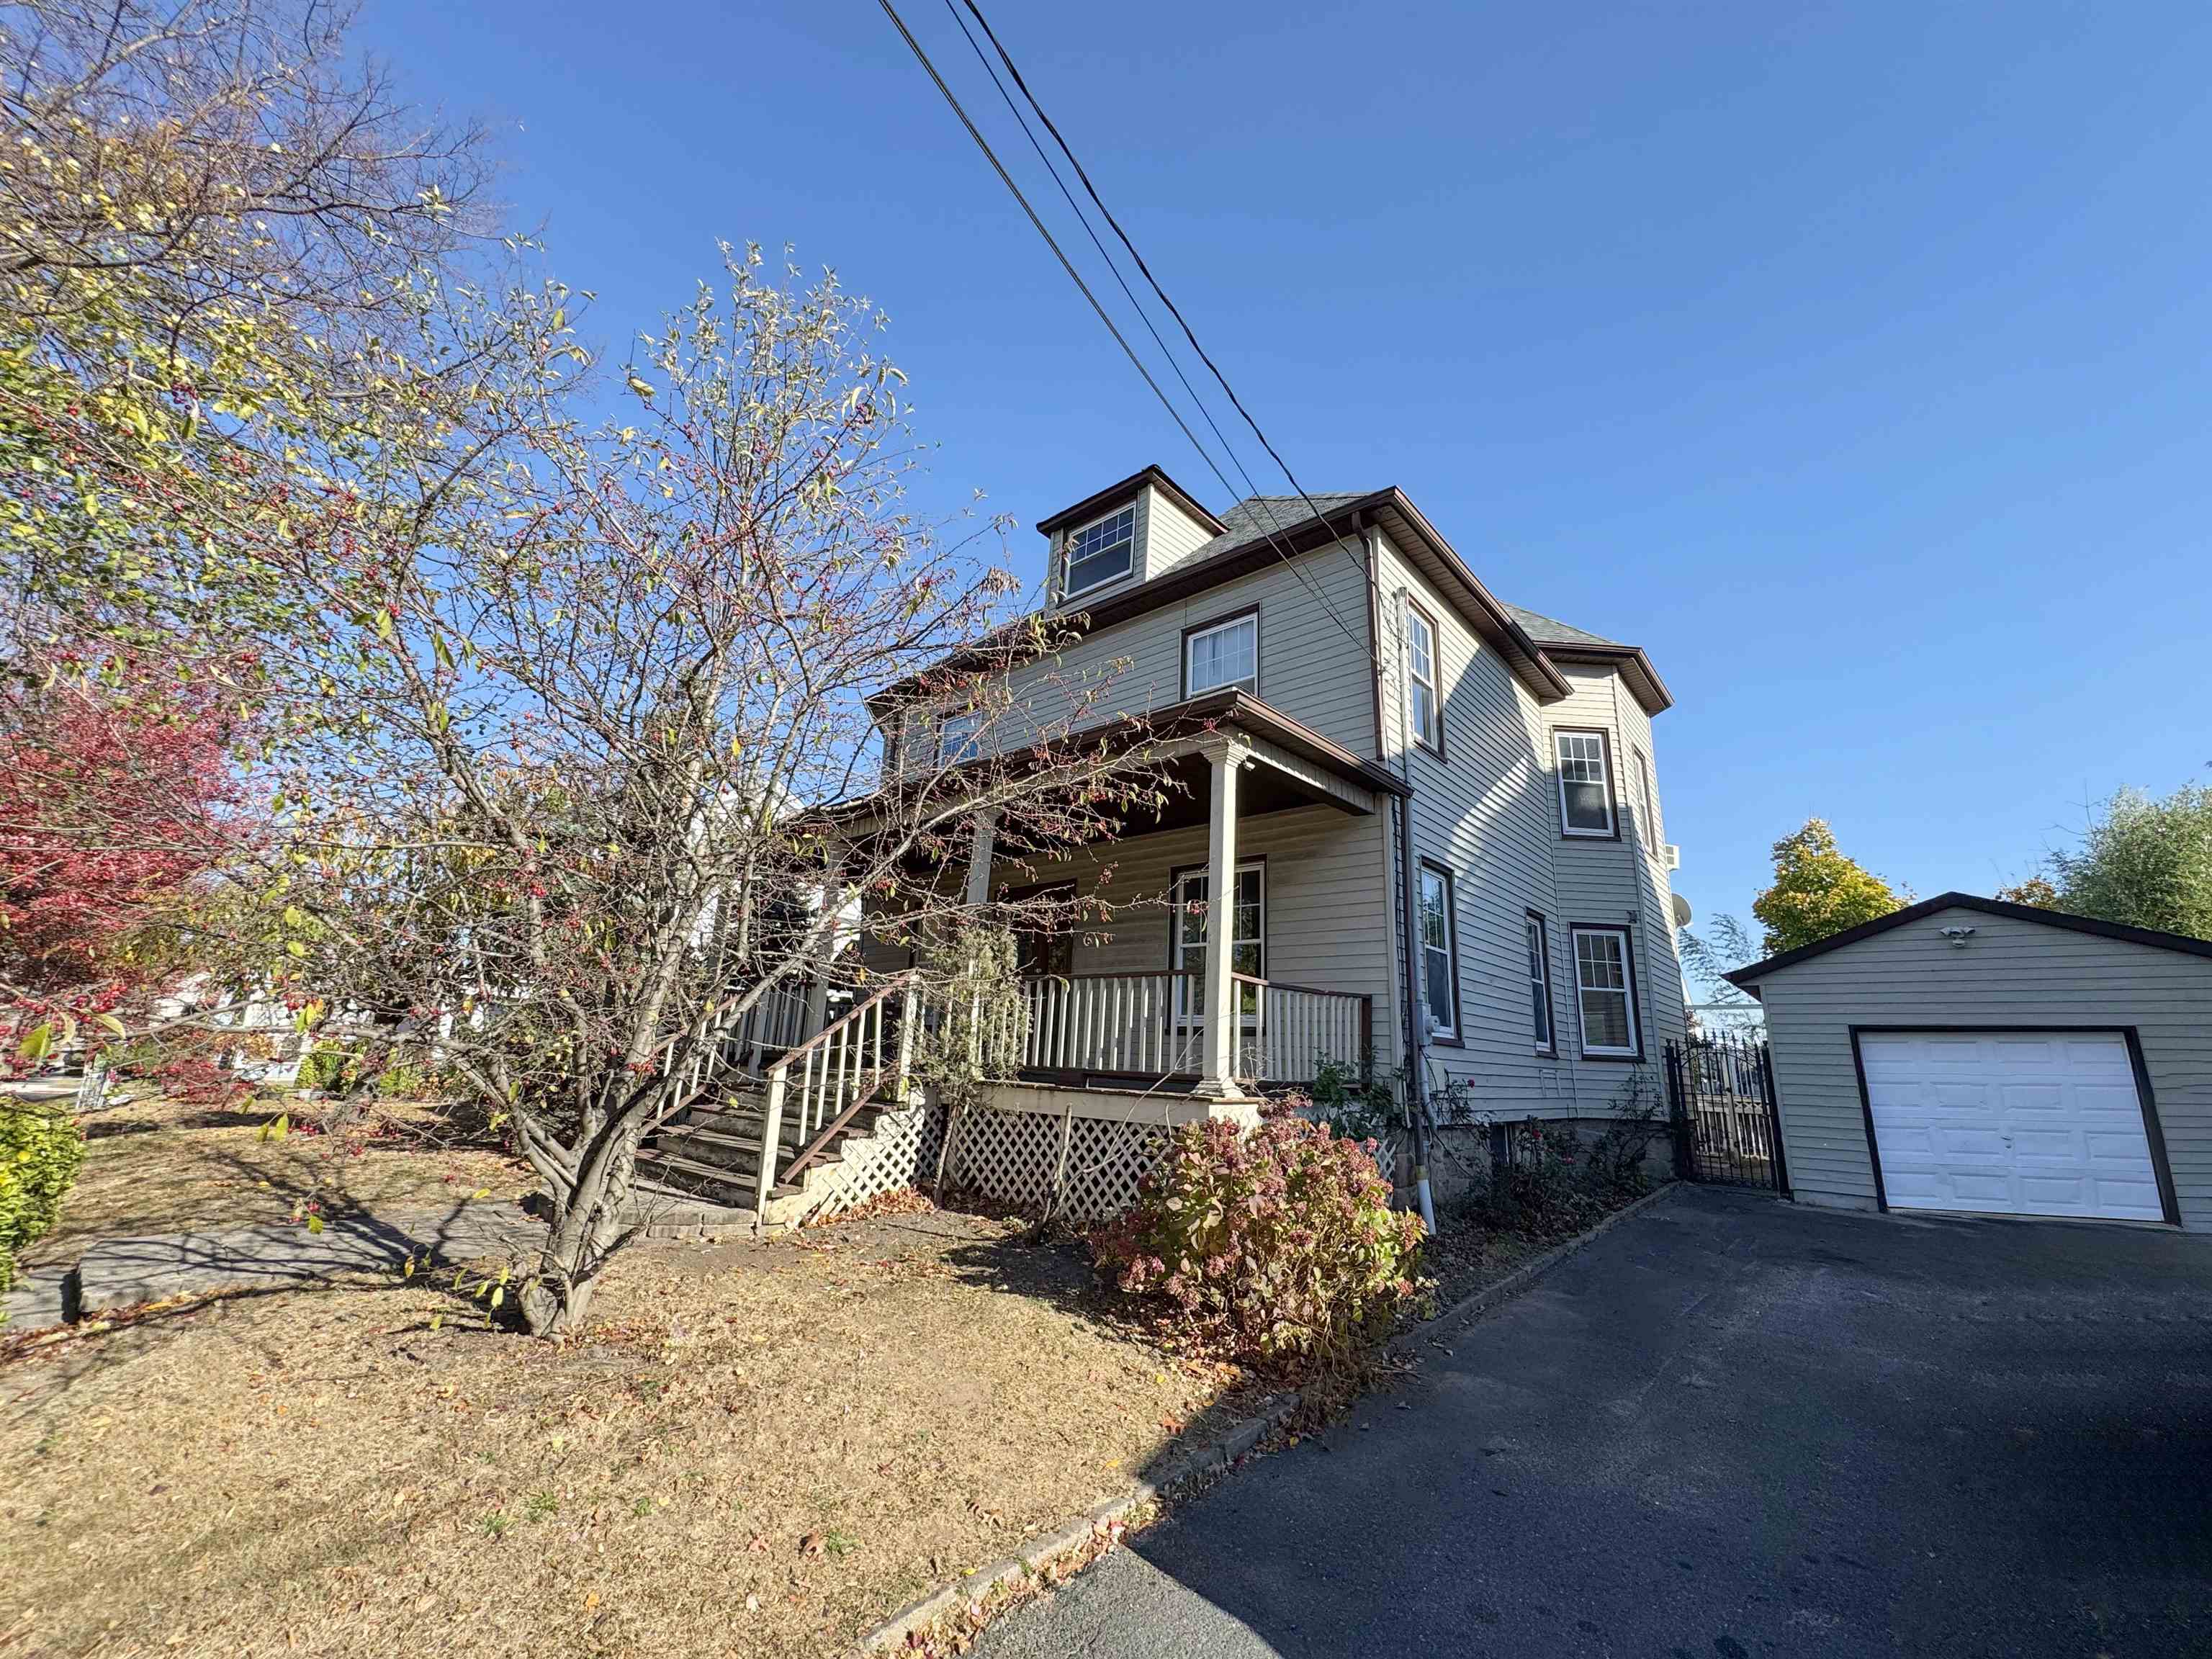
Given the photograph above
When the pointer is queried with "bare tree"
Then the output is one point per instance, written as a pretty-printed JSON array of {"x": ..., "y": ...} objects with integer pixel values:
[{"x": 586, "y": 769}]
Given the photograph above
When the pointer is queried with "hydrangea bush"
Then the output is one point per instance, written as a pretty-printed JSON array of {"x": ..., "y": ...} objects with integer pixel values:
[{"x": 1276, "y": 1245}]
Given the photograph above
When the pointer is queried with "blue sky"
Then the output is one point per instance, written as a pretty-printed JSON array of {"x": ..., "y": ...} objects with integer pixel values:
[{"x": 1852, "y": 359}]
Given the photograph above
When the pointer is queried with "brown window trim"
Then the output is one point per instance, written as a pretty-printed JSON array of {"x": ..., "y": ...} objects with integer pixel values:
[
  {"x": 1627, "y": 931},
  {"x": 1559, "y": 786},
  {"x": 1184, "y": 650},
  {"x": 1551, "y": 1004},
  {"x": 1436, "y": 677},
  {"x": 1458, "y": 1038}
]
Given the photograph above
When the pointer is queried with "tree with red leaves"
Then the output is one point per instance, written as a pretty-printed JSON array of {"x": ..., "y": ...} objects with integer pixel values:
[{"x": 117, "y": 798}]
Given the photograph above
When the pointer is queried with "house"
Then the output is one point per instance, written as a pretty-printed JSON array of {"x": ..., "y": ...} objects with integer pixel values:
[
  {"x": 1436, "y": 815},
  {"x": 1424, "y": 801},
  {"x": 1968, "y": 1055}
]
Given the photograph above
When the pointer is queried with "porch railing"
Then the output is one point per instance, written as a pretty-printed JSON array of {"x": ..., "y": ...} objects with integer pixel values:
[
  {"x": 1301, "y": 1030},
  {"x": 1153, "y": 1025},
  {"x": 817, "y": 1088},
  {"x": 775, "y": 1024}
]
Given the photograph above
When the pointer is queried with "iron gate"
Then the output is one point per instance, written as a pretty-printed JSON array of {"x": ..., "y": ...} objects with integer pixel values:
[{"x": 1720, "y": 1091}]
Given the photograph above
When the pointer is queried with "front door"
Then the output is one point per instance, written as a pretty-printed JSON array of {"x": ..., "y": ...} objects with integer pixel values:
[{"x": 1248, "y": 955}]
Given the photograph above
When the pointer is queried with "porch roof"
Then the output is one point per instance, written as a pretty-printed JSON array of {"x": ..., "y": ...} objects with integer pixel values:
[{"x": 1299, "y": 762}]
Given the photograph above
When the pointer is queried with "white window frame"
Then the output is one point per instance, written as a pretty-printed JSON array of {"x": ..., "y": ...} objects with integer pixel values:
[
  {"x": 1068, "y": 555},
  {"x": 1536, "y": 934},
  {"x": 1445, "y": 1032},
  {"x": 1429, "y": 733},
  {"x": 1567, "y": 826},
  {"x": 1626, "y": 991},
  {"x": 1191, "y": 688}
]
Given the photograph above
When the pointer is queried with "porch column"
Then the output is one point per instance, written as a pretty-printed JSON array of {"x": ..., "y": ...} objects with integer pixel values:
[
  {"x": 1218, "y": 1069},
  {"x": 979, "y": 859}
]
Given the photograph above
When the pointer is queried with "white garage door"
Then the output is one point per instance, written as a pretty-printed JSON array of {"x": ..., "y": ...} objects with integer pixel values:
[{"x": 2009, "y": 1123}]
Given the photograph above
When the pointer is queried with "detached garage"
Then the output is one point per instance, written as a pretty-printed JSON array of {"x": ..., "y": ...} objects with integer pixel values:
[{"x": 1967, "y": 1054}]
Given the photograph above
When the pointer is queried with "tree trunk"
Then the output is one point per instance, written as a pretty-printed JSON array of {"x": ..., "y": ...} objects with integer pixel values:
[{"x": 587, "y": 1228}]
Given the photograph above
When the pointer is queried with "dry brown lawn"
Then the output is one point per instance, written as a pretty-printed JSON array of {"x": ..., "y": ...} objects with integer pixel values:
[
  {"x": 156, "y": 1165},
  {"x": 760, "y": 1449}
]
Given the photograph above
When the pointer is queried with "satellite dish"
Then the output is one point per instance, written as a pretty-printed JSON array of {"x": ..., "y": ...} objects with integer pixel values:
[{"x": 1682, "y": 914}]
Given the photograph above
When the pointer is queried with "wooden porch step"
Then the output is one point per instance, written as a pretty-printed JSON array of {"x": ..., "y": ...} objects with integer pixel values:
[{"x": 694, "y": 1180}]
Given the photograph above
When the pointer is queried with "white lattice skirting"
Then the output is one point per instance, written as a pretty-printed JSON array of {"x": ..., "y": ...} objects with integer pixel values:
[
  {"x": 1083, "y": 1168},
  {"x": 899, "y": 1151}
]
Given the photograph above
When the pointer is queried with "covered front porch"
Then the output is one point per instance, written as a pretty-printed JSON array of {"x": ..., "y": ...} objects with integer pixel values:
[{"x": 1153, "y": 985}]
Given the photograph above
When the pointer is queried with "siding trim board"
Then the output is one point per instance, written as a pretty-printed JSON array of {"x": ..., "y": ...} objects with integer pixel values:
[{"x": 2154, "y": 1132}]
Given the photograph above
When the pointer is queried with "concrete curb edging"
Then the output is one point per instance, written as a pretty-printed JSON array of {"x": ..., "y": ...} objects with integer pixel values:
[
  {"x": 1469, "y": 1310},
  {"x": 1041, "y": 1553}
]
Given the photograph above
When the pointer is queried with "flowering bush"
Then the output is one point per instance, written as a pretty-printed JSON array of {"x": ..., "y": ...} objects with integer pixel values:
[{"x": 1277, "y": 1245}]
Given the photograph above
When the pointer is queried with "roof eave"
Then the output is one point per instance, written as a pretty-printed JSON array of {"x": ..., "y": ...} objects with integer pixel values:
[
  {"x": 2152, "y": 938},
  {"x": 1099, "y": 500},
  {"x": 1631, "y": 663}
]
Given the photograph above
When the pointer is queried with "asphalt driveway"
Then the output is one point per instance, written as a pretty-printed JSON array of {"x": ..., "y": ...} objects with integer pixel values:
[{"x": 1735, "y": 1427}]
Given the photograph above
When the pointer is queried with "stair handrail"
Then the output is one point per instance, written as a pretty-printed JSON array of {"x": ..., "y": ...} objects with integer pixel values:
[{"x": 840, "y": 1033}]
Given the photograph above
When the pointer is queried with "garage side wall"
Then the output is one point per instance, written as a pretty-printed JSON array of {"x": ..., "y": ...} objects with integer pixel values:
[{"x": 2011, "y": 973}]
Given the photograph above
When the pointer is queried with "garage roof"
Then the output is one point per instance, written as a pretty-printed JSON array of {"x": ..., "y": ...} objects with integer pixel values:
[{"x": 1912, "y": 913}]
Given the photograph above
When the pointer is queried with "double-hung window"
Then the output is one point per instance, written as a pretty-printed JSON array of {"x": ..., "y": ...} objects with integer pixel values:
[
  {"x": 959, "y": 738},
  {"x": 1540, "y": 984},
  {"x": 1585, "y": 783},
  {"x": 1604, "y": 989},
  {"x": 1102, "y": 551},
  {"x": 1439, "y": 955},
  {"x": 1226, "y": 653},
  {"x": 1426, "y": 710}
]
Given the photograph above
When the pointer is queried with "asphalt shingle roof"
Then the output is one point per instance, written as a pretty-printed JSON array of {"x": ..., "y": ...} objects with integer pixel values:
[{"x": 1548, "y": 630}]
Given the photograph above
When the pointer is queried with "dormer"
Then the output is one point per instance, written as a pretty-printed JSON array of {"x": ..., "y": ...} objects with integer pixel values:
[{"x": 1128, "y": 533}]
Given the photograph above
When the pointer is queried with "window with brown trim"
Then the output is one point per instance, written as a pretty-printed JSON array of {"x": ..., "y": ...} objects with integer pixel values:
[
  {"x": 1104, "y": 550},
  {"x": 1439, "y": 954},
  {"x": 1605, "y": 993},
  {"x": 1539, "y": 940},
  {"x": 1585, "y": 771},
  {"x": 1222, "y": 654},
  {"x": 1425, "y": 708}
]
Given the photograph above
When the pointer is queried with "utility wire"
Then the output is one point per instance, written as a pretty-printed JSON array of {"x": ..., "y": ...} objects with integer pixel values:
[
  {"x": 1092, "y": 191},
  {"x": 1006, "y": 178}
]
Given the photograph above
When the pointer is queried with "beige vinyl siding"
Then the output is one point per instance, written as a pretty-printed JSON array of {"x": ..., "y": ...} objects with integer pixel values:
[
  {"x": 1324, "y": 896},
  {"x": 1310, "y": 669},
  {"x": 1488, "y": 811},
  {"x": 1482, "y": 811},
  {"x": 2013, "y": 974},
  {"x": 1171, "y": 535}
]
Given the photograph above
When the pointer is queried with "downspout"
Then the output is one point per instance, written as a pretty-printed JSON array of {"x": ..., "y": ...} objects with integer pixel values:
[{"x": 1409, "y": 918}]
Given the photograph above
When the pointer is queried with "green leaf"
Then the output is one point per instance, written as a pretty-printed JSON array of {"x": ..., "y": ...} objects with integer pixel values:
[{"x": 35, "y": 1047}]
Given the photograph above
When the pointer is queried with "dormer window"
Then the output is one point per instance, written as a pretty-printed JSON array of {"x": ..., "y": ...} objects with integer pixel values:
[{"x": 1104, "y": 550}]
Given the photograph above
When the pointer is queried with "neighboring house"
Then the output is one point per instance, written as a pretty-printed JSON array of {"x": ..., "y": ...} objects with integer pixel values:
[
  {"x": 1424, "y": 801},
  {"x": 1968, "y": 1055}
]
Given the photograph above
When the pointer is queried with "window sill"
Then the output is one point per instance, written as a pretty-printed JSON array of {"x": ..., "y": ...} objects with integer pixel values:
[{"x": 1613, "y": 1056}]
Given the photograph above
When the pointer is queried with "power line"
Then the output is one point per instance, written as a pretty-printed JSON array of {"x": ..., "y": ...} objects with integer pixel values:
[
  {"x": 1092, "y": 191},
  {"x": 1006, "y": 178}
]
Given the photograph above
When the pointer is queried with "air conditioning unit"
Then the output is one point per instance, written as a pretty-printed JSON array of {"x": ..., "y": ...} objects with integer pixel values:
[{"x": 1671, "y": 856}]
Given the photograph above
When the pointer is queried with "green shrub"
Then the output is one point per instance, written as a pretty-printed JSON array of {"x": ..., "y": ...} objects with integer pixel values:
[
  {"x": 1278, "y": 1245},
  {"x": 40, "y": 1153},
  {"x": 329, "y": 1067}
]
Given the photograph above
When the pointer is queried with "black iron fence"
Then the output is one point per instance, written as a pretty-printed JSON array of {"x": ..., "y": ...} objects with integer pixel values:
[{"x": 1720, "y": 1092}]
